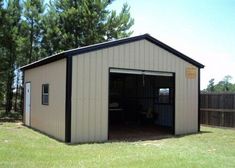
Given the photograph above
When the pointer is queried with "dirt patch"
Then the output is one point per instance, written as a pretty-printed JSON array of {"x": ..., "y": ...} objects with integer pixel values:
[{"x": 138, "y": 133}]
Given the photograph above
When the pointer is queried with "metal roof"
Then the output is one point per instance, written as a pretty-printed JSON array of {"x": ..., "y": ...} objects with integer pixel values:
[{"x": 77, "y": 51}]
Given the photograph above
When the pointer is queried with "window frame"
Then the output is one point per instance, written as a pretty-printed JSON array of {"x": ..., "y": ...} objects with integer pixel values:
[
  {"x": 45, "y": 94},
  {"x": 169, "y": 96}
]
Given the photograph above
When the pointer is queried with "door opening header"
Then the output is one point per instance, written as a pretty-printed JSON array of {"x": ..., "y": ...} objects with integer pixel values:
[{"x": 140, "y": 72}]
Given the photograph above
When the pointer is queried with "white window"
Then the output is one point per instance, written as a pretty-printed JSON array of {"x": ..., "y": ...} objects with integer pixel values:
[
  {"x": 45, "y": 94},
  {"x": 164, "y": 95}
]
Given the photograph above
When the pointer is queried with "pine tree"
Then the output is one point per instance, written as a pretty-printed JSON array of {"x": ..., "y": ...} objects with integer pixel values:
[
  {"x": 9, "y": 30},
  {"x": 32, "y": 28},
  {"x": 2, "y": 20},
  {"x": 75, "y": 23},
  {"x": 30, "y": 33}
]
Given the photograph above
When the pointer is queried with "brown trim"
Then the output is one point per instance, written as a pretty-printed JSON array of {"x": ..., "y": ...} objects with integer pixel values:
[
  {"x": 111, "y": 44},
  {"x": 199, "y": 99},
  {"x": 43, "y": 61},
  {"x": 173, "y": 116},
  {"x": 23, "y": 96},
  {"x": 173, "y": 51},
  {"x": 132, "y": 69},
  {"x": 68, "y": 94},
  {"x": 108, "y": 102}
]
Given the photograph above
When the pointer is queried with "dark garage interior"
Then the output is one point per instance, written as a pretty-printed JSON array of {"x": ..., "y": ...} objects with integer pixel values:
[{"x": 140, "y": 106}]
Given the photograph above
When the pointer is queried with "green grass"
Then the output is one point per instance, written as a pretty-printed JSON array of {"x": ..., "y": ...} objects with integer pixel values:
[{"x": 23, "y": 147}]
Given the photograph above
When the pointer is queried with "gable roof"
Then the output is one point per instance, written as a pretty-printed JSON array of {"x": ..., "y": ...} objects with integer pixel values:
[{"x": 99, "y": 46}]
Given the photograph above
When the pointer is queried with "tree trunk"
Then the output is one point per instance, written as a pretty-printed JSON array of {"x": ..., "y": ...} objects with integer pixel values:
[
  {"x": 17, "y": 90},
  {"x": 9, "y": 92},
  {"x": 31, "y": 43},
  {"x": 21, "y": 89},
  {"x": 10, "y": 81}
]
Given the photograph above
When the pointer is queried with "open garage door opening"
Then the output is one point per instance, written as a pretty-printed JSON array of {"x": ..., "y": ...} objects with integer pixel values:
[{"x": 141, "y": 104}]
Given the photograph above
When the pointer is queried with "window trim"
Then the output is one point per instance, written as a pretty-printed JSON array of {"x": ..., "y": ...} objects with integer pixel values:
[
  {"x": 169, "y": 96},
  {"x": 44, "y": 94}
]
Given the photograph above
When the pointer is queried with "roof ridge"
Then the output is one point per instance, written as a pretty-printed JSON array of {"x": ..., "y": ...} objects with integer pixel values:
[{"x": 112, "y": 43}]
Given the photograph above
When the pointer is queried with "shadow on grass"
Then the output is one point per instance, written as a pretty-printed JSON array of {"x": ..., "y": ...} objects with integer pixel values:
[
  {"x": 120, "y": 140},
  {"x": 159, "y": 137},
  {"x": 10, "y": 117},
  {"x": 123, "y": 140},
  {"x": 143, "y": 139},
  {"x": 197, "y": 133}
]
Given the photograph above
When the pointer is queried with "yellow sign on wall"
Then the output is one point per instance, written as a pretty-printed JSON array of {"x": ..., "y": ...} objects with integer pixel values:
[{"x": 191, "y": 72}]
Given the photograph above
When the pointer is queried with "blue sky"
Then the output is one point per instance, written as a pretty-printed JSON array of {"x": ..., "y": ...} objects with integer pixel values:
[{"x": 202, "y": 29}]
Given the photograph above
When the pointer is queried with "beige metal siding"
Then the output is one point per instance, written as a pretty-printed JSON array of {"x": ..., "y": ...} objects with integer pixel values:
[
  {"x": 49, "y": 119},
  {"x": 90, "y": 87}
]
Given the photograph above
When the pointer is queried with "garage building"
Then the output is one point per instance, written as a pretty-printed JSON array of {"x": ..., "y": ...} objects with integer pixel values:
[{"x": 131, "y": 87}]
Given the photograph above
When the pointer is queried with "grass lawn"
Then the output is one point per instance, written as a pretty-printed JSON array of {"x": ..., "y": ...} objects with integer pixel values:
[{"x": 23, "y": 147}]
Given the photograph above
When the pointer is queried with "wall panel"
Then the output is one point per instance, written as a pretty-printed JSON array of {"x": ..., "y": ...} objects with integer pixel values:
[
  {"x": 90, "y": 87},
  {"x": 49, "y": 119}
]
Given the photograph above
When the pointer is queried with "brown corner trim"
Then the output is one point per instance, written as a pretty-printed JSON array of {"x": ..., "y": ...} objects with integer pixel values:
[
  {"x": 173, "y": 117},
  {"x": 199, "y": 99},
  {"x": 68, "y": 99}
]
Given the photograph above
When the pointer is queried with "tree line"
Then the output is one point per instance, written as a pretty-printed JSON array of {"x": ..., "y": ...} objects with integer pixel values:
[
  {"x": 33, "y": 29},
  {"x": 225, "y": 85}
]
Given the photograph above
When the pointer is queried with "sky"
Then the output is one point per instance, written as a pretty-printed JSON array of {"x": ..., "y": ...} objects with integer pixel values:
[{"x": 201, "y": 29}]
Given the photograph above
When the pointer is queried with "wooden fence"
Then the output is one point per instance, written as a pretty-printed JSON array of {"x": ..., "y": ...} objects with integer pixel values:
[{"x": 218, "y": 109}]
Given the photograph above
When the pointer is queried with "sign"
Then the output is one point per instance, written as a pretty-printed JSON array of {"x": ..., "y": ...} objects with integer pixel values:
[{"x": 191, "y": 72}]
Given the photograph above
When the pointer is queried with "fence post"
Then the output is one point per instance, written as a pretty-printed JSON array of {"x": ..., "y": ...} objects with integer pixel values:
[{"x": 222, "y": 119}]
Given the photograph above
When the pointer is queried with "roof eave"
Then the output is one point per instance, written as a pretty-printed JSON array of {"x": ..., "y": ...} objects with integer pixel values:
[
  {"x": 107, "y": 45},
  {"x": 173, "y": 51},
  {"x": 43, "y": 61}
]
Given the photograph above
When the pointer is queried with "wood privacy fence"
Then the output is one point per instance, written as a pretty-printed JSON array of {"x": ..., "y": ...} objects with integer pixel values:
[{"x": 218, "y": 109}]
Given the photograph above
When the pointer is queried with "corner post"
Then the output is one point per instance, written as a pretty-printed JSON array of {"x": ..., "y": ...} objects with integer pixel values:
[
  {"x": 69, "y": 63},
  {"x": 199, "y": 99}
]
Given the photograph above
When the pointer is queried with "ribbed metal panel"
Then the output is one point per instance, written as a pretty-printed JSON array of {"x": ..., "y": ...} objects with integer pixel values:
[
  {"x": 90, "y": 87},
  {"x": 49, "y": 119}
]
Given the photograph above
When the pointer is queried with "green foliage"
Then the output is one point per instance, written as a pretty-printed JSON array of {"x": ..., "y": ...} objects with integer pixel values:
[
  {"x": 30, "y": 31},
  {"x": 9, "y": 34},
  {"x": 2, "y": 20},
  {"x": 75, "y": 23},
  {"x": 224, "y": 85},
  {"x": 211, "y": 86}
]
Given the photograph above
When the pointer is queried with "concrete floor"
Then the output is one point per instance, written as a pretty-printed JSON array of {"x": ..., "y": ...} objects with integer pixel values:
[{"x": 138, "y": 132}]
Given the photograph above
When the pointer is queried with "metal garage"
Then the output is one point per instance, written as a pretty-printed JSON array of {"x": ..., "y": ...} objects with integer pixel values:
[{"x": 137, "y": 82}]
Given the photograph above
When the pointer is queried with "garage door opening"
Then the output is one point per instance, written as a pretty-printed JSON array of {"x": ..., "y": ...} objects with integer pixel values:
[{"x": 141, "y": 105}]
